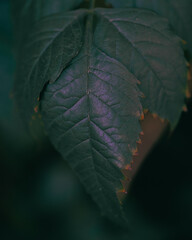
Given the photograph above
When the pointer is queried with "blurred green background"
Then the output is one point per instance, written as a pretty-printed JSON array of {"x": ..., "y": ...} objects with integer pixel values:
[{"x": 41, "y": 198}]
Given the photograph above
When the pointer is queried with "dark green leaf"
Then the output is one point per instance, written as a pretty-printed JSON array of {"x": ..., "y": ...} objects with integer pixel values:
[
  {"x": 178, "y": 12},
  {"x": 91, "y": 112},
  {"x": 91, "y": 108}
]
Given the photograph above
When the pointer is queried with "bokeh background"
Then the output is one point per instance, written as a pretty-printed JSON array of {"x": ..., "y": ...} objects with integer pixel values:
[{"x": 41, "y": 197}]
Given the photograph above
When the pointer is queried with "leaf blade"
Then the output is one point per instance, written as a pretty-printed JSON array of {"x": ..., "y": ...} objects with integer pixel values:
[{"x": 95, "y": 85}]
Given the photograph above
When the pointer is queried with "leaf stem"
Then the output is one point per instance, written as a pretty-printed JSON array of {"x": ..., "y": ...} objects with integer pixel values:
[{"x": 92, "y": 4}]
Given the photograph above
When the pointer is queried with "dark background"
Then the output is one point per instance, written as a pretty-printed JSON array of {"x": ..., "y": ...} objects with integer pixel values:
[{"x": 41, "y": 198}]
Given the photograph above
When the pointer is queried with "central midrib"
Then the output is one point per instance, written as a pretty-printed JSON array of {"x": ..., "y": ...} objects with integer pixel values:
[{"x": 88, "y": 47}]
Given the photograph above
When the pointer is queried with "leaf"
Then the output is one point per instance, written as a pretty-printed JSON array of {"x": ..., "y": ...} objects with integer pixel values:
[
  {"x": 91, "y": 108},
  {"x": 89, "y": 113},
  {"x": 178, "y": 12}
]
